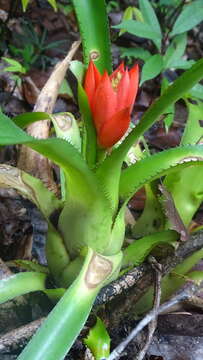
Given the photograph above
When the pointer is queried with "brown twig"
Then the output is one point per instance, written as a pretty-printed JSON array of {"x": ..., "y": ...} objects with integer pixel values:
[
  {"x": 29, "y": 160},
  {"x": 156, "y": 303},
  {"x": 140, "y": 277},
  {"x": 182, "y": 295},
  {"x": 13, "y": 339}
]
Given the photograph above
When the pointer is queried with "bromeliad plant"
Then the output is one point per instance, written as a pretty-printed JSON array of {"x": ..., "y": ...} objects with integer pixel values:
[{"x": 84, "y": 247}]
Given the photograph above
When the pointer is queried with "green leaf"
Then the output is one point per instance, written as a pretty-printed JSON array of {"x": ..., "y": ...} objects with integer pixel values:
[
  {"x": 54, "y": 44},
  {"x": 127, "y": 15},
  {"x": 117, "y": 233},
  {"x": 152, "y": 218},
  {"x": 191, "y": 16},
  {"x": 169, "y": 3},
  {"x": 98, "y": 340},
  {"x": 170, "y": 112},
  {"x": 69, "y": 315},
  {"x": 193, "y": 131},
  {"x": 20, "y": 284},
  {"x": 78, "y": 69},
  {"x": 65, "y": 9},
  {"x": 93, "y": 21},
  {"x": 155, "y": 166},
  {"x": 17, "y": 79},
  {"x": 53, "y": 4},
  {"x": 137, "y": 53},
  {"x": 83, "y": 221},
  {"x": 29, "y": 265},
  {"x": 65, "y": 89},
  {"x": 182, "y": 64},
  {"x": 138, "y": 250},
  {"x": 82, "y": 182},
  {"x": 168, "y": 119},
  {"x": 56, "y": 253},
  {"x": 139, "y": 29},
  {"x": 66, "y": 127},
  {"x": 150, "y": 18},
  {"x": 152, "y": 67},
  {"x": 137, "y": 14},
  {"x": 26, "y": 119},
  {"x": 90, "y": 140},
  {"x": 196, "y": 276},
  {"x": 15, "y": 66},
  {"x": 55, "y": 294},
  {"x": 33, "y": 189},
  {"x": 196, "y": 91},
  {"x": 65, "y": 321},
  {"x": 29, "y": 187},
  {"x": 186, "y": 186},
  {"x": 175, "y": 50},
  {"x": 25, "y": 4}
]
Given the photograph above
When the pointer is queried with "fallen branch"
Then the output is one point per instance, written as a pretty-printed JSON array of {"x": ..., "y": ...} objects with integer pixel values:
[
  {"x": 140, "y": 278},
  {"x": 182, "y": 295},
  {"x": 157, "y": 299},
  {"x": 132, "y": 281},
  {"x": 13, "y": 339}
]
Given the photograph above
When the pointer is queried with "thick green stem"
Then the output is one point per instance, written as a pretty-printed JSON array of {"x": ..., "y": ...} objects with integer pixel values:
[{"x": 94, "y": 31}]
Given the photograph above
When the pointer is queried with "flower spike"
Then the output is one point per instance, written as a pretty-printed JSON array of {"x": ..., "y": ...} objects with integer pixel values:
[{"x": 111, "y": 100}]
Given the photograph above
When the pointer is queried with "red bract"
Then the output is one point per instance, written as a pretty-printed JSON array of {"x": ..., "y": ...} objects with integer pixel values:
[{"x": 111, "y": 100}]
